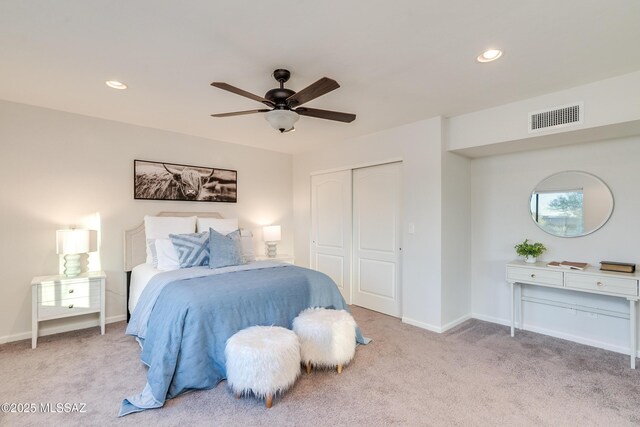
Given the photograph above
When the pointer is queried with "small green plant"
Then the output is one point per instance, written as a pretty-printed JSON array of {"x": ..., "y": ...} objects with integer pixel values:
[{"x": 530, "y": 249}]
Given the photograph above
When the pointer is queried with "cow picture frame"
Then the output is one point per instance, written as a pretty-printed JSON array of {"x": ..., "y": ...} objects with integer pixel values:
[{"x": 178, "y": 182}]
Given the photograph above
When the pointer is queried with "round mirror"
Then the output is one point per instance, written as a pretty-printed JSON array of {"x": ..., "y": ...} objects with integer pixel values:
[{"x": 571, "y": 204}]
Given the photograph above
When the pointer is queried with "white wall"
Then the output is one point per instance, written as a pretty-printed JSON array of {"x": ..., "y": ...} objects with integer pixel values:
[
  {"x": 61, "y": 169},
  {"x": 456, "y": 239},
  {"x": 500, "y": 191},
  {"x": 419, "y": 145}
]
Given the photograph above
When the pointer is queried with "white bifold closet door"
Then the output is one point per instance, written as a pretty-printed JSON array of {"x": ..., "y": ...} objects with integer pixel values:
[
  {"x": 331, "y": 228},
  {"x": 376, "y": 238},
  {"x": 355, "y": 234}
]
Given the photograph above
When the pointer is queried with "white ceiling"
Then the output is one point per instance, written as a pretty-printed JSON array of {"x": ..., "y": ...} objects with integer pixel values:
[{"x": 397, "y": 61}]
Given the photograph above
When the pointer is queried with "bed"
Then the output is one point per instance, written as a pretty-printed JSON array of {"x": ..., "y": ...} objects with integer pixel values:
[{"x": 182, "y": 318}]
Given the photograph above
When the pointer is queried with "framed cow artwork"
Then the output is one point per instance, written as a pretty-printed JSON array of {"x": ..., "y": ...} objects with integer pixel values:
[{"x": 171, "y": 181}]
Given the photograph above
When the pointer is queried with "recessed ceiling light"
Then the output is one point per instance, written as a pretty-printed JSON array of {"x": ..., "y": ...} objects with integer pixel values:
[
  {"x": 115, "y": 84},
  {"x": 489, "y": 55}
]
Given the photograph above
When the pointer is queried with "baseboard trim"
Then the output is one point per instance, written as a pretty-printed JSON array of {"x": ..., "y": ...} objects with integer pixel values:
[
  {"x": 62, "y": 328},
  {"x": 433, "y": 328},
  {"x": 114, "y": 319},
  {"x": 456, "y": 322},
  {"x": 491, "y": 319},
  {"x": 422, "y": 325},
  {"x": 556, "y": 334}
]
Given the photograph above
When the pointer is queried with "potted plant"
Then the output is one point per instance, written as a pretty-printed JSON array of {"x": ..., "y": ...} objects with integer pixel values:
[{"x": 530, "y": 251}]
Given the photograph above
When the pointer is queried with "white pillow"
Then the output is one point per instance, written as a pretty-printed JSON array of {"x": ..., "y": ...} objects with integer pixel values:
[
  {"x": 221, "y": 225},
  {"x": 168, "y": 258},
  {"x": 159, "y": 227},
  {"x": 246, "y": 245}
]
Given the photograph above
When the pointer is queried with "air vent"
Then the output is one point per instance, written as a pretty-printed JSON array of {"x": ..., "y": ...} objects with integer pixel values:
[{"x": 556, "y": 117}]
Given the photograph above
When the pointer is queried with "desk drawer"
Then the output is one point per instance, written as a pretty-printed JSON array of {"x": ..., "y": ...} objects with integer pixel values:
[
  {"x": 609, "y": 285},
  {"x": 533, "y": 275}
]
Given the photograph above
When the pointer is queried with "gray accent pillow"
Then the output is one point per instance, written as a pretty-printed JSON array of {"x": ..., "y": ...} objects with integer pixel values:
[{"x": 224, "y": 250}]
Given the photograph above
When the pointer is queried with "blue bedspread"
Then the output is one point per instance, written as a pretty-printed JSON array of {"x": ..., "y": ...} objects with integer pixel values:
[{"x": 190, "y": 319}]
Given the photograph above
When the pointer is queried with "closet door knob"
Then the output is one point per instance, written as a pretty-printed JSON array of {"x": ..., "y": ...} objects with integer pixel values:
[
  {"x": 533, "y": 276},
  {"x": 70, "y": 305},
  {"x": 599, "y": 283}
]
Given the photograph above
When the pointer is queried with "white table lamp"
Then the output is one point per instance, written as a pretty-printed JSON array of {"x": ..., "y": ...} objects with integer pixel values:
[
  {"x": 271, "y": 234},
  {"x": 72, "y": 244}
]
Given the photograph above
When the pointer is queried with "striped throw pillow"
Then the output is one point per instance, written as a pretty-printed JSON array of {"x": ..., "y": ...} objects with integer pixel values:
[{"x": 193, "y": 248}]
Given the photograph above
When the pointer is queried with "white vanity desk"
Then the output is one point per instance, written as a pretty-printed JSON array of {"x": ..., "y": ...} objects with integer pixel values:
[{"x": 592, "y": 280}]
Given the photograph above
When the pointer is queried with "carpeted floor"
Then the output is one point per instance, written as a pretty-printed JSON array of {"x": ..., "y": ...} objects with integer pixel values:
[{"x": 475, "y": 374}]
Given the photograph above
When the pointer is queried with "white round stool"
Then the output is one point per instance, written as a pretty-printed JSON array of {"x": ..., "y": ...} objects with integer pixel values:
[
  {"x": 263, "y": 360},
  {"x": 327, "y": 337}
]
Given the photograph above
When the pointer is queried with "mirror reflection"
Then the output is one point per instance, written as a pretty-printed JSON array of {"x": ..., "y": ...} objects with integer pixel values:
[{"x": 571, "y": 204}]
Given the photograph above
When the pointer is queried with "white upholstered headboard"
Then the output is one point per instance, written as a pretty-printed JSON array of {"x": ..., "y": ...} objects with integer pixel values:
[{"x": 135, "y": 242}]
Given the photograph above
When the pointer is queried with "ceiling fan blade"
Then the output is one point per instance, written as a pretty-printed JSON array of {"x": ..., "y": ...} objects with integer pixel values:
[
  {"x": 314, "y": 90},
  {"x": 238, "y": 91},
  {"x": 326, "y": 114},
  {"x": 240, "y": 113}
]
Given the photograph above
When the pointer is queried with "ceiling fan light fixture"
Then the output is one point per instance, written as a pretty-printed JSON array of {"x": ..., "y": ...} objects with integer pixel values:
[
  {"x": 282, "y": 120},
  {"x": 281, "y": 101}
]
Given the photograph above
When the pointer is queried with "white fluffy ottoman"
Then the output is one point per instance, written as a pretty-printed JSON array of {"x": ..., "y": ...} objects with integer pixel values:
[
  {"x": 263, "y": 360},
  {"x": 327, "y": 337}
]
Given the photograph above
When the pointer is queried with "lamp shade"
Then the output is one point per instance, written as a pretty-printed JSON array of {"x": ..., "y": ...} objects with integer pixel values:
[
  {"x": 282, "y": 120},
  {"x": 72, "y": 241},
  {"x": 271, "y": 233}
]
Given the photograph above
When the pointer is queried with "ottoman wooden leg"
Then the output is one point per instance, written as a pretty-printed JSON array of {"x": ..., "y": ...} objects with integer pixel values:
[
  {"x": 237, "y": 395},
  {"x": 340, "y": 368},
  {"x": 269, "y": 402},
  {"x": 308, "y": 367},
  {"x": 262, "y": 361}
]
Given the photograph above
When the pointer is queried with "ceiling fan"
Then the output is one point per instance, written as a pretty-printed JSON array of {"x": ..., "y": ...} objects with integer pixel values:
[{"x": 285, "y": 104}]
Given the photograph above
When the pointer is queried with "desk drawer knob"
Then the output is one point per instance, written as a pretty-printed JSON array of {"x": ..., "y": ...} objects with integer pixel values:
[
  {"x": 70, "y": 305},
  {"x": 599, "y": 283},
  {"x": 533, "y": 276},
  {"x": 70, "y": 291}
]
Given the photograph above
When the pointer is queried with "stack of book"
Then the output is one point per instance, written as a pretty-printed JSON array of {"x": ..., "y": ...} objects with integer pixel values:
[
  {"x": 622, "y": 267},
  {"x": 569, "y": 265}
]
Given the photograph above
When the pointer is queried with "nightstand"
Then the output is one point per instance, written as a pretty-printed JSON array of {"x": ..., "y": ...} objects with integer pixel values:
[
  {"x": 279, "y": 258},
  {"x": 55, "y": 297}
]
